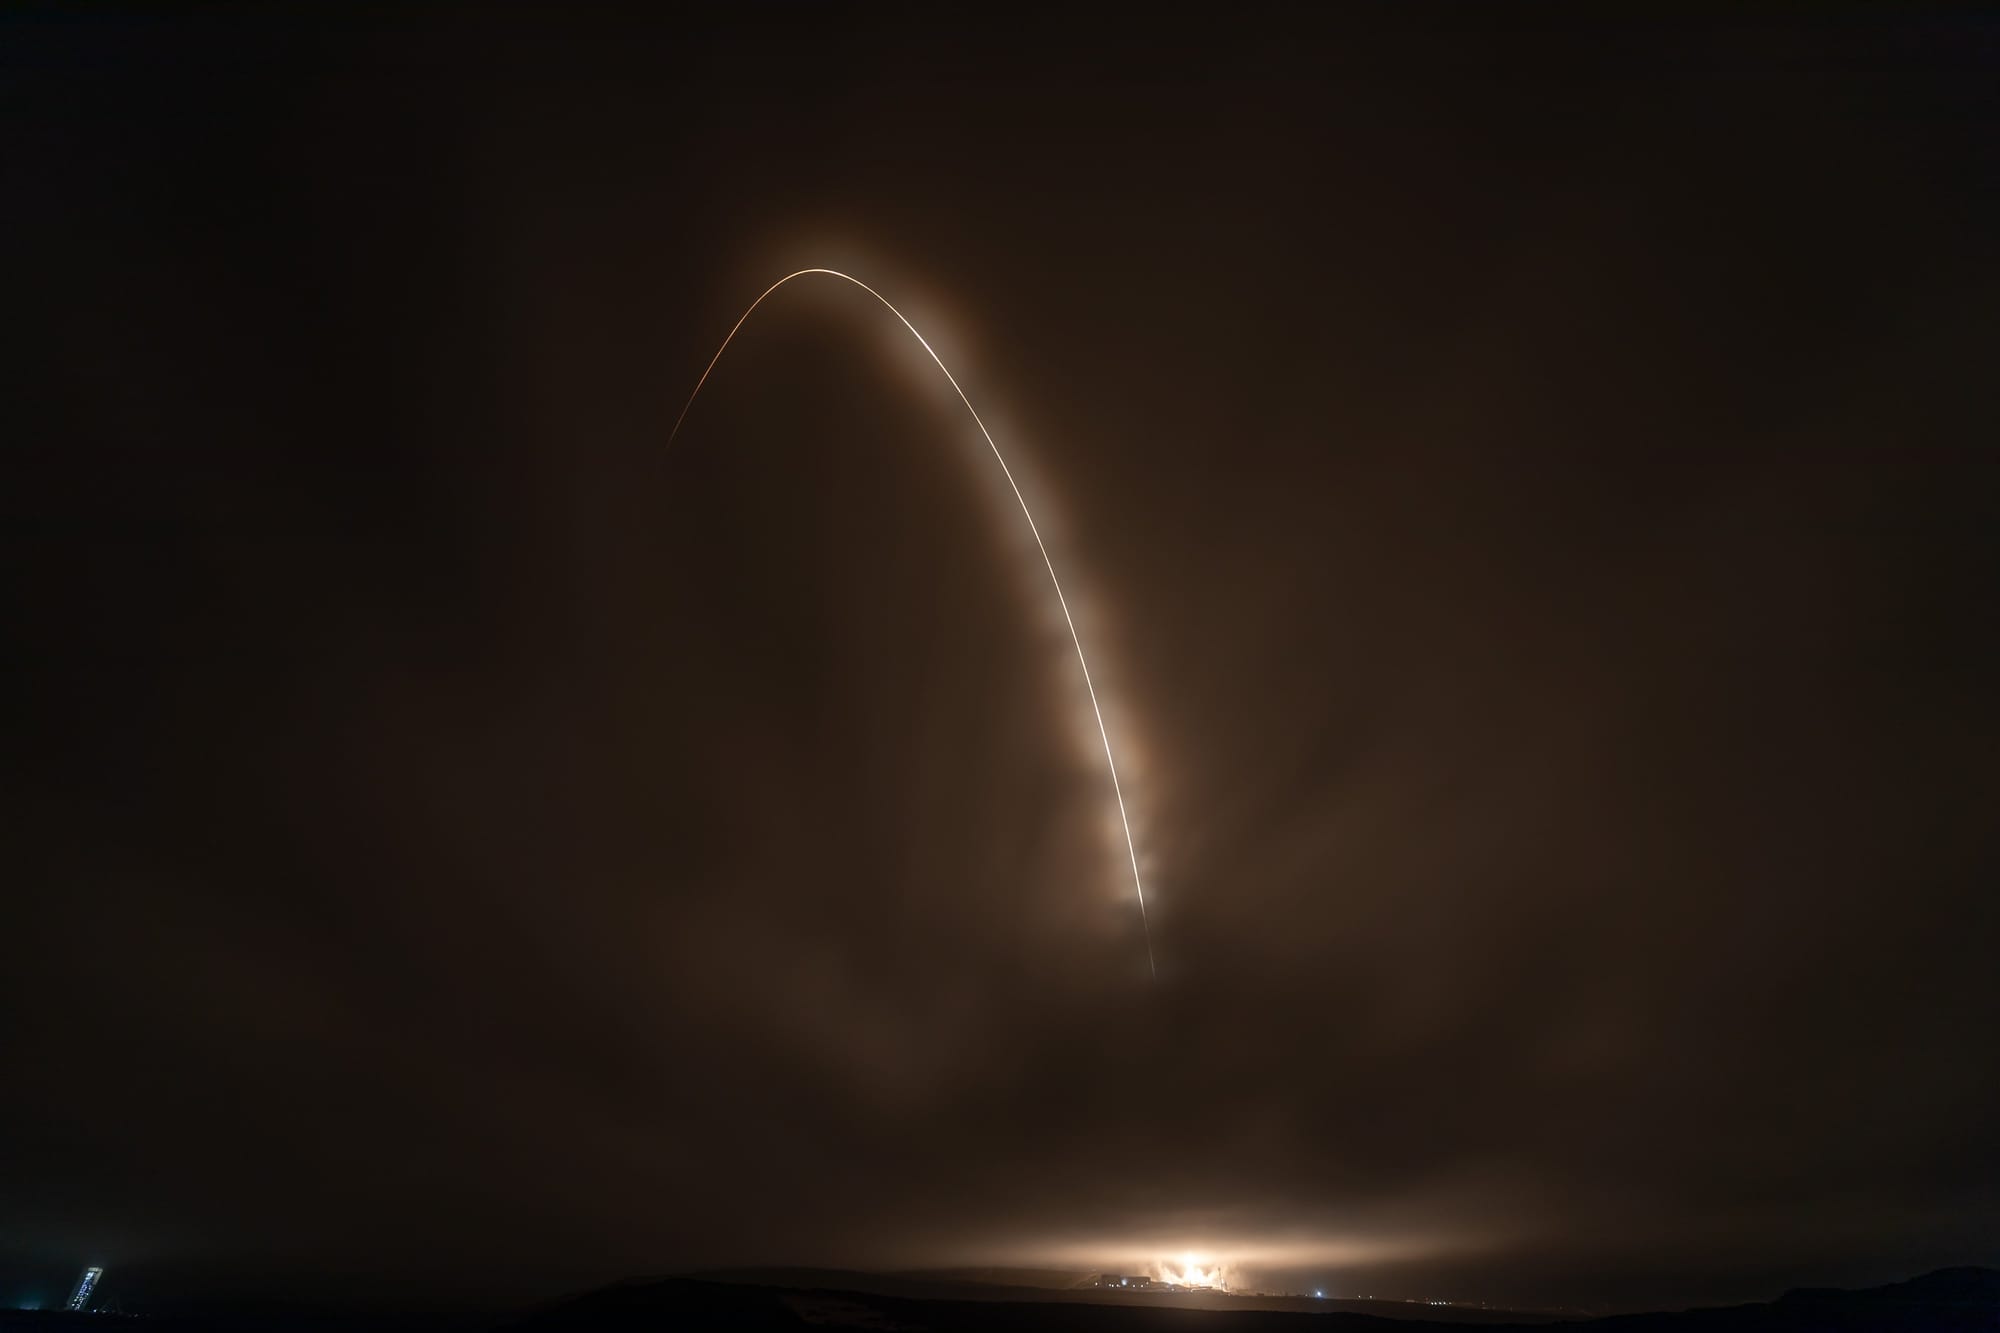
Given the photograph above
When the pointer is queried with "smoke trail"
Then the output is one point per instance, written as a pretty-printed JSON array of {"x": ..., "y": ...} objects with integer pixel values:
[{"x": 1110, "y": 764}]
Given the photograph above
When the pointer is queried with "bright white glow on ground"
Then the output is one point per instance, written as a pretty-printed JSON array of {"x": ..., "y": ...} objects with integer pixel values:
[{"x": 1191, "y": 1270}]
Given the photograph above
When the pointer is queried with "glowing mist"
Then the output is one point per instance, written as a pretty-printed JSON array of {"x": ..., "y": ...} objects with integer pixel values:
[{"x": 1110, "y": 764}]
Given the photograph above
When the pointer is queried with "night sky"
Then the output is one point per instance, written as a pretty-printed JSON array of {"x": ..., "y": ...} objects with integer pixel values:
[{"x": 1529, "y": 494}]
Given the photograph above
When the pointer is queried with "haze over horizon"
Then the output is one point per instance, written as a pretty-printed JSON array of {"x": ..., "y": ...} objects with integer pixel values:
[{"x": 1527, "y": 490}]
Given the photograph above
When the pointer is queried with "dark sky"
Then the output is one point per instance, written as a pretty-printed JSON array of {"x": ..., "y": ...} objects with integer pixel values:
[{"x": 1530, "y": 494}]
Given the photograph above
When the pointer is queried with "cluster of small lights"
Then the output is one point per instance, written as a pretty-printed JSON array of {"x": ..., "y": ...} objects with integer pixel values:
[{"x": 85, "y": 1285}]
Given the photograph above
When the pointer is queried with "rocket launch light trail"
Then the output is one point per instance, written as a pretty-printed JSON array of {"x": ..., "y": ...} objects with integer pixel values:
[{"x": 1076, "y": 640}]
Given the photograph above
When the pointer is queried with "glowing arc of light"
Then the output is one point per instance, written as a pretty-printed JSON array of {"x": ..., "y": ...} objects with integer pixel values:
[{"x": 1076, "y": 640}]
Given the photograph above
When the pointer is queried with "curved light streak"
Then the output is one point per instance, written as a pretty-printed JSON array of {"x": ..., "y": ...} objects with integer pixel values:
[{"x": 1110, "y": 764}]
